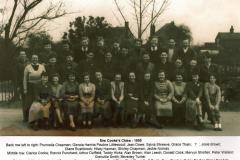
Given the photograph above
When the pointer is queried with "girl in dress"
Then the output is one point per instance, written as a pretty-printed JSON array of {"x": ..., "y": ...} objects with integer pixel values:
[
  {"x": 163, "y": 93},
  {"x": 39, "y": 110},
  {"x": 87, "y": 96},
  {"x": 70, "y": 94},
  {"x": 56, "y": 100},
  {"x": 194, "y": 103},
  {"x": 179, "y": 99},
  {"x": 213, "y": 96}
]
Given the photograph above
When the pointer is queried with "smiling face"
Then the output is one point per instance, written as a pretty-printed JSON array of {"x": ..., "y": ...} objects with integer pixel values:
[
  {"x": 146, "y": 58},
  {"x": 195, "y": 78},
  {"x": 212, "y": 79},
  {"x": 179, "y": 78},
  {"x": 118, "y": 77},
  {"x": 161, "y": 76},
  {"x": 163, "y": 56},
  {"x": 44, "y": 79},
  {"x": 86, "y": 79},
  {"x": 154, "y": 41},
  {"x": 34, "y": 59},
  {"x": 171, "y": 43},
  {"x": 71, "y": 77},
  {"x": 186, "y": 43},
  {"x": 178, "y": 63},
  {"x": 132, "y": 77},
  {"x": 55, "y": 79},
  {"x": 98, "y": 76},
  {"x": 108, "y": 56},
  {"x": 147, "y": 76}
]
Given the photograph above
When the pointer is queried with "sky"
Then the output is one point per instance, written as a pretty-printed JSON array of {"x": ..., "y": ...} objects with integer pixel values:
[{"x": 204, "y": 17}]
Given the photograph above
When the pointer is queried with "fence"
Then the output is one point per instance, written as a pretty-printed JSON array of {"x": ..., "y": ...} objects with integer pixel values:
[{"x": 6, "y": 91}]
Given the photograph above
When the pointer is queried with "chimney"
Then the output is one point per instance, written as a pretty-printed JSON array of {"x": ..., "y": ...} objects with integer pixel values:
[{"x": 231, "y": 29}]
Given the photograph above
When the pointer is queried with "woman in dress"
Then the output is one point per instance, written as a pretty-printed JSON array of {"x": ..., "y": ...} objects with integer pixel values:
[
  {"x": 70, "y": 94},
  {"x": 56, "y": 100},
  {"x": 32, "y": 78},
  {"x": 117, "y": 94},
  {"x": 213, "y": 96},
  {"x": 179, "y": 99},
  {"x": 39, "y": 110},
  {"x": 194, "y": 103},
  {"x": 132, "y": 100},
  {"x": 87, "y": 96},
  {"x": 146, "y": 95},
  {"x": 163, "y": 92}
]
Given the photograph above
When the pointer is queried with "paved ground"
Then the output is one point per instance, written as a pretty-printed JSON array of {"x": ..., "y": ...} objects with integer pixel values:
[{"x": 11, "y": 125}]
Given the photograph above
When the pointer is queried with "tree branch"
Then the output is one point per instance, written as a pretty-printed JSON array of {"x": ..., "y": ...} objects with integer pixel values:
[
  {"x": 120, "y": 11},
  {"x": 160, "y": 11}
]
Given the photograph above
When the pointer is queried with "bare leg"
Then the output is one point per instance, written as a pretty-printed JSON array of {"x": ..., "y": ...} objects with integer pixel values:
[{"x": 71, "y": 120}]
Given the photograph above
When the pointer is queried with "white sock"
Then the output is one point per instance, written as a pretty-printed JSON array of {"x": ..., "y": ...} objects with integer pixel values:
[
  {"x": 216, "y": 125},
  {"x": 219, "y": 125}
]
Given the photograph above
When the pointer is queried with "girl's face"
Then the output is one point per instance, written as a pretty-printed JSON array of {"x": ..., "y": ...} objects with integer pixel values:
[
  {"x": 86, "y": 79},
  {"x": 118, "y": 77},
  {"x": 179, "y": 78},
  {"x": 212, "y": 79},
  {"x": 44, "y": 79},
  {"x": 195, "y": 78},
  {"x": 132, "y": 77},
  {"x": 147, "y": 76},
  {"x": 178, "y": 63},
  {"x": 55, "y": 80},
  {"x": 161, "y": 76},
  {"x": 34, "y": 59},
  {"x": 71, "y": 78}
]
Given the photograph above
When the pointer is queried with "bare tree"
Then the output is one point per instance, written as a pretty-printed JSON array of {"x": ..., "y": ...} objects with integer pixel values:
[
  {"x": 28, "y": 16},
  {"x": 145, "y": 12}
]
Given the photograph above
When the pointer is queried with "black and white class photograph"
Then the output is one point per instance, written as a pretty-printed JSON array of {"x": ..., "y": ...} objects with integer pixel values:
[{"x": 119, "y": 68}]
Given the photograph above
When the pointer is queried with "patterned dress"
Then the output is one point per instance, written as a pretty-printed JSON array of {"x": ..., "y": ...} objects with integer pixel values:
[
  {"x": 71, "y": 106},
  {"x": 87, "y": 92},
  {"x": 164, "y": 91},
  {"x": 193, "y": 109}
]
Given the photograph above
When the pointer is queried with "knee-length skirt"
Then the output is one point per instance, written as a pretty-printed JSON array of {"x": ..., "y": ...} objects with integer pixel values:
[
  {"x": 163, "y": 109},
  {"x": 38, "y": 111},
  {"x": 193, "y": 109}
]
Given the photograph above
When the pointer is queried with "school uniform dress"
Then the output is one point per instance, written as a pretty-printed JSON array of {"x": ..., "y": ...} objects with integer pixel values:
[
  {"x": 71, "y": 106},
  {"x": 146, "y": 94},
  {"x": 103, "y": 92},
  {"x": 213, "y": 96},
  {"x": 131, "y": 90},
  {"x": 193, "y": 109},
  {"x": 87, "y": 92},
  {"x": 117, "y": 93},
  {"x": 179, "y": 94},
  {"x": 56, "y": 95},
  {"x": 31, "y": 78},
  {"x": 40, "y": 107},
  {"x": 163, "y": 90}
]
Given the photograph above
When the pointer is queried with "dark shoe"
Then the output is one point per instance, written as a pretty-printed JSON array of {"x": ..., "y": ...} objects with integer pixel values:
[
  {"x": 72, "y": 128},
  {"x": 35, "y": 127}
]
